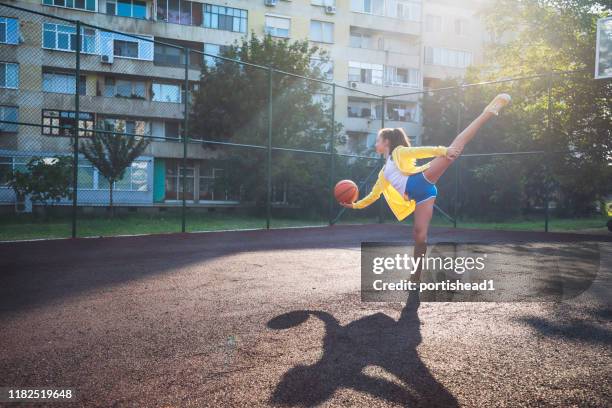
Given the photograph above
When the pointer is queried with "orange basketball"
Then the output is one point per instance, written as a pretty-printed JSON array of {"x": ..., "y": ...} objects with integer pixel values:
[{"x": 346, "y": 191}]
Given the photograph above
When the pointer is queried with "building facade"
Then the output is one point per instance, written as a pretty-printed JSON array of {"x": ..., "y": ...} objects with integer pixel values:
[{"x": 383, "y": 47}]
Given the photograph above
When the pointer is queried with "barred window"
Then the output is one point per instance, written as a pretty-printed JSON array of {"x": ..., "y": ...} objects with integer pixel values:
[{"x": 61, "y": 123}]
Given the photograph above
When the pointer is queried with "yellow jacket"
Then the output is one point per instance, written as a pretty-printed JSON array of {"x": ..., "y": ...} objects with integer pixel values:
[{"x": 405, "y": 159}]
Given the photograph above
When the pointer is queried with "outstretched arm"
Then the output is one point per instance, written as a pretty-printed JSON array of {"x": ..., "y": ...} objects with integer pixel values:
[
  {"x": 420, "y": 152},
  {"x": 369, "y": 199}
]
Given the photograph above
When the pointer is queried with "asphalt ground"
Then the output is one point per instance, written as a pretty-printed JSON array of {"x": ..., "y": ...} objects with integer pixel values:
[{"x": 274, "y": 317}]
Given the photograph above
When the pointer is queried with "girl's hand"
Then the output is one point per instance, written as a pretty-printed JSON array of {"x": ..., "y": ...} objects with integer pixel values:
[
  {"x": 347, "y": 205},
  {"x": 453, "y": 152}
]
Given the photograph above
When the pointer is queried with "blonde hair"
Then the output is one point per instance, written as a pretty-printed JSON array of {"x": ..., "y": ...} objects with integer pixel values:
[{"x": 396, "y": 137}]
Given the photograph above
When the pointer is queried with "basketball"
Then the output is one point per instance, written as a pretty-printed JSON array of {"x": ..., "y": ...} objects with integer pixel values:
[{"x": 346, "y": 191}]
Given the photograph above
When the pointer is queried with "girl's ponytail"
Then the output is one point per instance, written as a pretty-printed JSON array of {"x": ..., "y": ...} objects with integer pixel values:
[{"x": 396, "y": 137}]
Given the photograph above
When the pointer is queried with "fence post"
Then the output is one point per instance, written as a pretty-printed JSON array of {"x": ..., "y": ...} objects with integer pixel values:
[
  {"x": 546, "y": 201},
  {"x": 269, "y": 167},
  {"x": 331, "y": 155},
  {"x": 184, "y": 178},
  {"x": 549, "y": 130},
  {"x": 459, "y": 120},
  {"x": 75, "y": 172},
  {"x": 382, "y": 161}
]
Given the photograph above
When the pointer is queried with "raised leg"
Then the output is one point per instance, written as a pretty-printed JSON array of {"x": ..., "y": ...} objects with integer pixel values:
[{"x": 439, "y": 165}]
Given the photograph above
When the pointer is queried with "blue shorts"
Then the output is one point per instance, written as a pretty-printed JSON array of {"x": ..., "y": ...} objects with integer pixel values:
[{"x": 419, "y": 188}]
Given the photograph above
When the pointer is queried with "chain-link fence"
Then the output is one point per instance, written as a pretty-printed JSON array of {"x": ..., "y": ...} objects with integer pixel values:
[
  {"x": 552, "y": 166},
  {"x": 106, "y": 132}
]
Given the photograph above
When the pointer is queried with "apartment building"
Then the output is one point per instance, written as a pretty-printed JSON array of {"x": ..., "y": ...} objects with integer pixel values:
[{"x": 383, "y": 47}]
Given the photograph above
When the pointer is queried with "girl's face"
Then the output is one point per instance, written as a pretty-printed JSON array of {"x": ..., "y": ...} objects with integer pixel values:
[{"x": 382, "y": 145}]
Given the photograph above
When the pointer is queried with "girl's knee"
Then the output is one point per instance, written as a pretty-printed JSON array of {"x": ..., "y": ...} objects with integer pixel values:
[{"x": 420, "y": 235}]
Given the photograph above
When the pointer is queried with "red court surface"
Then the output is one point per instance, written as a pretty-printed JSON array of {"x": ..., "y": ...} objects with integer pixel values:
[{"x": 274, "y": 317}]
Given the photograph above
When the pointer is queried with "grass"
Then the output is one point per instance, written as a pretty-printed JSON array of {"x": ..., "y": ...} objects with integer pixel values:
[{"x": 27, "y": 227}]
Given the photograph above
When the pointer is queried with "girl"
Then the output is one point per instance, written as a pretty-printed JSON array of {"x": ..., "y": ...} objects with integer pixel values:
[{"x": 410, "y": 188}]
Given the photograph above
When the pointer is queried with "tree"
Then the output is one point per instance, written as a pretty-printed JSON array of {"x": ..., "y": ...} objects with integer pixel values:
[
  {"x": 47, "y": 180},
  {"x": 112, "y": 152},
  {"x": 559, "y": 35},
  {"x": 232, "y": 106},
  {"x": 535, "y": 36}
]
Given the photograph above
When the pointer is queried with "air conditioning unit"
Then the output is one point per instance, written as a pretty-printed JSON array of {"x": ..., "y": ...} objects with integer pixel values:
[
  {"x": 353, "y": 84},
  {"x": 107, "y": 58},
  {"x": 270, "y": 2},
  {"x": 330, "y": 9}
]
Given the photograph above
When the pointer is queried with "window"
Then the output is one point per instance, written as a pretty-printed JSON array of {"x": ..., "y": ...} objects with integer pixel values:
[
  {"x": 59, "y": 37},
  {"x": 126, "y": 46},
  {"x": 404, "y": 77},
  {"x": 58, "y": 82},
  {"x": 127, "y": 8},
  {"x": 359, "y": 142},
  {"x": 168, "y": 55},
  {"x": 123, "y": 88},
  {"x": 63, "y": 122},
  {"x": 325, "y": 67},
  {"x": 10, "y": 164},
  {"x": 225, "y": 18},
  {"x": 89, "y": 5},
  {"x": 172, "y": 129},
  {"x": 135, "y": 177},
  {"x": 9, "y": 30},
  {"x": 172, "y": 54},
  {"x": 214, "y": 49},
  {"x": 360, "y": 109},
  {"x": 360, "y": 40},
  {"x": 321, "y": 31},
  {"x": 120, "y": 125},
  {"x": 400, "y": 112},
  {"x": 278, "y": 26},
  {"x": 210, "y": 187},
  {"x": 10, "y": 113},
  {"x": 365, "y": 73},
  {"x": 460, "y": 27},
  {"x": 404, "y": 9},
  {"x": 166, "y": 93},
  {"x": 174, "y": 180},
  {"x": 447, "y": 57},
  {"x": 433, "y": 24},
  {"x": 180, "y": 12},
  {"x": 63, "y": 38},
  {"x": 122, "y": 48},
  {"x": 9, "y": 75},
  {"x": 169, "y": 129},
  {"x": 368, "y": 6}
]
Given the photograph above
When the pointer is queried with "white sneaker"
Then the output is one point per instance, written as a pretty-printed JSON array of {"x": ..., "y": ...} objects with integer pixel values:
[{"x": 498, "y": 103}]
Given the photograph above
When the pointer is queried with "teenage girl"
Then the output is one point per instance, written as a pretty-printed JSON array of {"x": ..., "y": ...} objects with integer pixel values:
[{"x": 418, "y": 182}]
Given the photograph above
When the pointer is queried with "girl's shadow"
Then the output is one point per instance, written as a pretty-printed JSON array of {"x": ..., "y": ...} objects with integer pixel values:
[{"x": 375, "y": 340}]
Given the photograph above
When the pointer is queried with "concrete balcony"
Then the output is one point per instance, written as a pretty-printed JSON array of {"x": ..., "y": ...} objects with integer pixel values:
[
  {"x": 373, "y": 125},
  {"x": 390, "y": 89},
  {"x": 173, "y": 149},
  {"x": 408, "y": 59},
  {"x": 441, "y": 72},
  {"x": 127, "y": 66},
  {"x": 383, "y": 23},
  {"x": 130, "y": 107}
]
